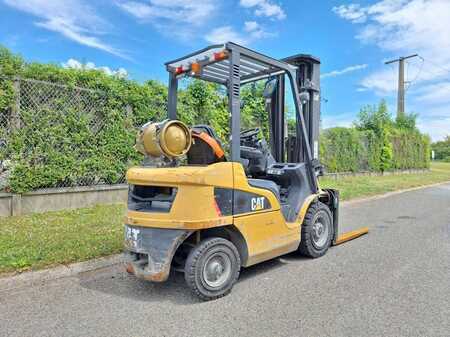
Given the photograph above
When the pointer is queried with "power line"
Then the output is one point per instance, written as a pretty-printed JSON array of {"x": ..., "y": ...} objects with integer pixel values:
[
  {"x": 435, "y": 73},
  {"x": 436, "y": 65},
  {"x": 417, "y": 75}
]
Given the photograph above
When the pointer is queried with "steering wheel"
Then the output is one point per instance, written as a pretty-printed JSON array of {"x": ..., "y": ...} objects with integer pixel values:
[{"x": 250, "y": 133}]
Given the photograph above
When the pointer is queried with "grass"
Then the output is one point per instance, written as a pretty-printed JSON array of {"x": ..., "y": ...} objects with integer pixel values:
[
  {"x": 41, "y": 240},
  {"x": 364, "y": 186}
]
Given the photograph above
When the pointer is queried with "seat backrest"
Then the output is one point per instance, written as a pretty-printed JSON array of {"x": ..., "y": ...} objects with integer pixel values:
[
  {"x": 206, "y": 148},
  {"x": 259, "y": 159}
]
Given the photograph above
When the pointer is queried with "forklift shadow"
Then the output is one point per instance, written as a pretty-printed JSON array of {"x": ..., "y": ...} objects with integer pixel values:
[
  {"x": 267, "y": 266},
  {"x": 116, "y": 281}
]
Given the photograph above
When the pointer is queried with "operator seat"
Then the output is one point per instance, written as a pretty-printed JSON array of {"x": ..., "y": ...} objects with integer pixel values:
[
  {"x": 259, "y": 158},
  {"x": 255, "y": 150},
  {"x": 206, "y": 148}
]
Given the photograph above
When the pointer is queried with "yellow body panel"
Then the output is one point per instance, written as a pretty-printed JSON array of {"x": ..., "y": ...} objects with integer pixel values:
[
  {"x": 266, "y": 232},
  {"x": 267, "y": 235},
  {"x": 220, "y": 175}
]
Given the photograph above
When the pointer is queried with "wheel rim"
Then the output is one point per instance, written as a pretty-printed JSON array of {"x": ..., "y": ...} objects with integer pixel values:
[
  {"x": 217, "y": 270},
  {"x": 320, "y": 232}
]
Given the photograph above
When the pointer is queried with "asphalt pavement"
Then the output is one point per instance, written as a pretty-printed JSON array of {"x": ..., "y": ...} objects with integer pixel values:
[{"x": 395, "y": 281}]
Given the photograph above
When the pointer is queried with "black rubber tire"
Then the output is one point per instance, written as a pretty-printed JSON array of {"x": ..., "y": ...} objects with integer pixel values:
[
  {"x": 193, "y": 270},
  {"x": 307, "y": 246}
]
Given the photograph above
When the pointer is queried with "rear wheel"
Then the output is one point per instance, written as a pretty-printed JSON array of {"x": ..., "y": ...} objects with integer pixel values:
[
  {"x": 212, "y": 268},
  {"x": 317, "y": 231}
]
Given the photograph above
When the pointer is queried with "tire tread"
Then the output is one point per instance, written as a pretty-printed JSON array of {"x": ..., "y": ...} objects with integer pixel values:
[
  {"x": 306, "y": 247},
  {"x": 193, "y": 258}
]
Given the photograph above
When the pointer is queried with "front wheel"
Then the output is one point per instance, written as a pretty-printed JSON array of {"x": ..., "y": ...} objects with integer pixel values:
[
  {"x": 212, "y": 268},
  {"x": 317, "y": 231}
]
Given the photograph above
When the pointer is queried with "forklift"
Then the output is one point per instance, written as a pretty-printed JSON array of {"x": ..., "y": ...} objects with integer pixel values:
[{"x": 196, "y": 208}]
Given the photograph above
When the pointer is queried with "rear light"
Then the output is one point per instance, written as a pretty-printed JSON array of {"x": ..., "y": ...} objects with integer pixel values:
[
  {"x": 179, "y": 70},
  {"x": 222, "y": 55},
  {"x": 216, "y": 206}
]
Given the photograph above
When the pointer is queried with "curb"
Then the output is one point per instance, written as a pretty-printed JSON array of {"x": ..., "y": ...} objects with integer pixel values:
[{"x": 33, "y": 278}]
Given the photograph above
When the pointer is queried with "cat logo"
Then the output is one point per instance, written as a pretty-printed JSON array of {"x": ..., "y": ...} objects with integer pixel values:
[{"x": 257, "y": 203}]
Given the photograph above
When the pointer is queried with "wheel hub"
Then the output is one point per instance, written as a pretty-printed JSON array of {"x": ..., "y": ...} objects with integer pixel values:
[
  {"x": 320, "y": 234},
  {"x": 216, "y": 270}
]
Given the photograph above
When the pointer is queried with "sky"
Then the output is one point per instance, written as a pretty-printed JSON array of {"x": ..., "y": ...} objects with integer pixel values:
[{"x": 353, "y": 39}]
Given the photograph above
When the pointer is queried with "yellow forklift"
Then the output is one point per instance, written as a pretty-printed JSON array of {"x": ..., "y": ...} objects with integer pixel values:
[{"x": 196, "y": 208}]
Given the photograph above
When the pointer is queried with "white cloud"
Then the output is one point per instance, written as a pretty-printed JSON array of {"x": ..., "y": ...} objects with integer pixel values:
[
  {"x": 383, "y": 81},
  {"x": 75, "y": 64},
  {"x": 189, "y": 11},
  {"x": 436, "y": 93},
  {"x": 186, "y": 18},
  {"x": 265, "y": 8},
  {"x": 403, "y": 27},
  {"x": 342, "y": 121},
  {"x": 251, "y": 31},
  {"x": 73, "y": 19},
  {"x": 438, "y": 128},
  {"x": 255, "y": 31},
  {"x": 250, "y": 26},
  {"x": 346, "y": 70},
  {"x": 77, "y": 34},
  {"x": 175, "y": 18},
  {"x": 225, "y": 34},
  {"x": 352, "y": 12}
]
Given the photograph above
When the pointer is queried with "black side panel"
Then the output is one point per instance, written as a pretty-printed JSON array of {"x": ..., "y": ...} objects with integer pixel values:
[
  {"x": 293, "y": 179},
  {"x": 238, "y": 202},
  {"x": 245, "y": 202},
  {"x": 224, "y": 200}
]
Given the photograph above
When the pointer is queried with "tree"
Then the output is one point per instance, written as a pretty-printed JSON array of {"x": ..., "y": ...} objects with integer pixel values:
[
  {"x": 379, "y": 121},
  {"x": 406, "y": 121},
  {"x": 442, "y": 149},
  {"x": 375, "y": 118},
  {"x": 253, "y": 112}
]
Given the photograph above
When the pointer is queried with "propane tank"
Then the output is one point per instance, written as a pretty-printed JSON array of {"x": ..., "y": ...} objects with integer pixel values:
[{"x": 169, "y": 139}]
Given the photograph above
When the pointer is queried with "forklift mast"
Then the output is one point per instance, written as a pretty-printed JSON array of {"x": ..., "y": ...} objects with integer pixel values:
[{"x": 308, "y": 80}]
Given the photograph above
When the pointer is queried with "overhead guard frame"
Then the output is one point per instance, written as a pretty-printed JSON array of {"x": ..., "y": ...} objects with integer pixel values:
[{"x": 241, "y": 66}]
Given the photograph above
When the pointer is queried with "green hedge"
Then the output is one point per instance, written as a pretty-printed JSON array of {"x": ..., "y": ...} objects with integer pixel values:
[
  {"x": 375, "y": 143},
  {"x": 67, "y": 141},
  {"x": 410, "y": 149},
  {"x": 62, "y": 143},
  {"x": 352, "y": 150},
  {"x": 342, "y": 149}
]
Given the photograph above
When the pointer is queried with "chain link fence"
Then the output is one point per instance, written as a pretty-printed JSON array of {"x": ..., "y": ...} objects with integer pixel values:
[{"x": 54, "y": 135}]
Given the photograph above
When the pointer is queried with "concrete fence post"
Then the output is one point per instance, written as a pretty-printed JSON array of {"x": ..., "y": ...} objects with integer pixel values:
[{"x": 16, "y": 204}]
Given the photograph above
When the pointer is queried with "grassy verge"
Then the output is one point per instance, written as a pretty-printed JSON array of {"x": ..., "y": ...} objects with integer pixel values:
[
  {"x": 364, "y": 186},
  {"x": 41, "y": 240}
]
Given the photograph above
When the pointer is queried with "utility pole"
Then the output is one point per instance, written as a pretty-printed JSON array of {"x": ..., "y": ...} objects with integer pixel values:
[{"x": 401, "y": 82}]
